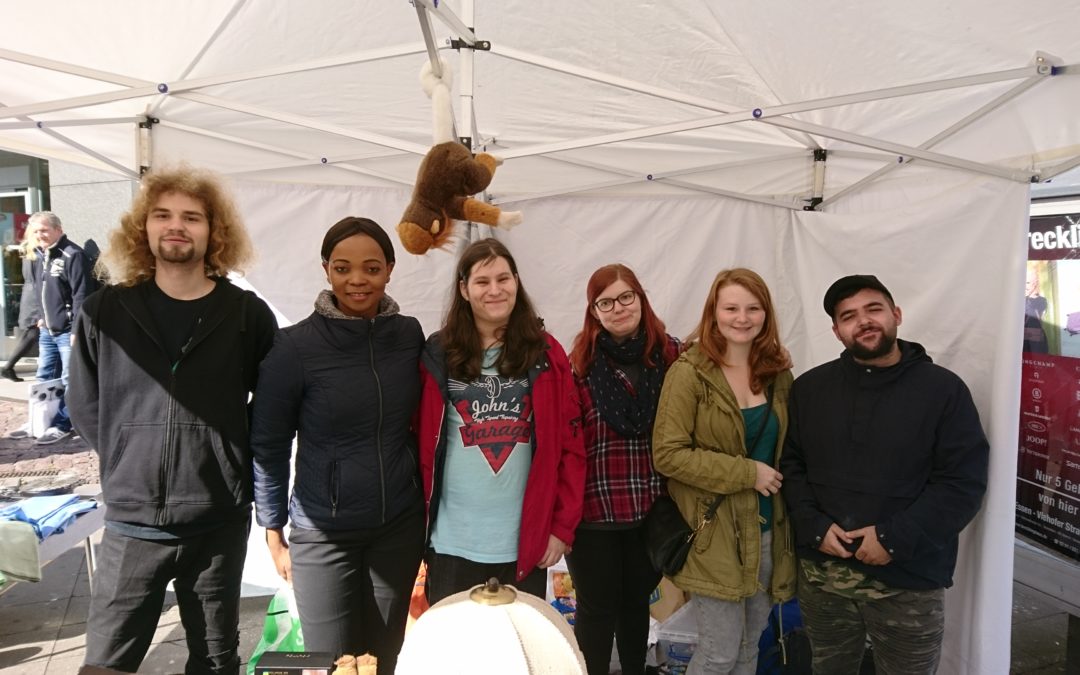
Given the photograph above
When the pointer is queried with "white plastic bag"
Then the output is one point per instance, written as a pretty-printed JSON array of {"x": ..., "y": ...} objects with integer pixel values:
[{"x": 43, "y": 403}]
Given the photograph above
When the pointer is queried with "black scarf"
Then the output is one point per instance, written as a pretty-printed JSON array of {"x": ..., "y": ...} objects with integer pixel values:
[{"x": 628, "y": 414}]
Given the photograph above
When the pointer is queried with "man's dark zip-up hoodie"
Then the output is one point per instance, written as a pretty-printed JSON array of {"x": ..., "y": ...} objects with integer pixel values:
[
  {"x": 172, "y": 438},
  {"x": 347, "y": 388},
  {"x": 900, "y": 448},
  {"x": 65, "y": 280}
]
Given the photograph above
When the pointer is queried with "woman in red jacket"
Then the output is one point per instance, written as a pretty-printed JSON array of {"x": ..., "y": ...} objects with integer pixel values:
[
  {"x": 500, "y": 442},
  {"x": 619, "y": 360}
]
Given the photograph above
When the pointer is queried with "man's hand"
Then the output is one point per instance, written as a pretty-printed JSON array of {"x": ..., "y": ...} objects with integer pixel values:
[
  {"x": 834, "y": 540},
  {"x": 768, "y": 479},
  {"x": 556, "y": 548},
  {"x": 871, "y": 552},
  {"x": 279, "y": 551}
]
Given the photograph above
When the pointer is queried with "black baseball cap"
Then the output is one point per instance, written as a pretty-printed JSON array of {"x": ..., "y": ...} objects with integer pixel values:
[{"x": 845, "y": 287}]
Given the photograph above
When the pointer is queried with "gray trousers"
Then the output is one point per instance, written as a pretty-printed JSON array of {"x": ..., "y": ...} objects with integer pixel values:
[
  {"x": 728, "y": 632},
  {"x": 353, "y": 587},
  {"x": 905, "y": 630}
]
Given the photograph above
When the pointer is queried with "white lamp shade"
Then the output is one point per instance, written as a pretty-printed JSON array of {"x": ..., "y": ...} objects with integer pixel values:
[{"x": 459, "y": 635}]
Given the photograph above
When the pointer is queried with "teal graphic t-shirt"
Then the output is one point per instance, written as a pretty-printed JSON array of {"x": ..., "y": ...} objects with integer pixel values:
[{"x": 488, "y": 454}]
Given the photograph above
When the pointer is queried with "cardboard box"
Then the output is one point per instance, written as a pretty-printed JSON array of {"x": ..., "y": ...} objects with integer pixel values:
[
  {"x": 666, "y": 600},
  {"x": 295, "y": 663}
]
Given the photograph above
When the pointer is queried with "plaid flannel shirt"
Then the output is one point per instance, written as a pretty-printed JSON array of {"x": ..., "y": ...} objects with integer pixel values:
[{"x": 620, "y": 481}]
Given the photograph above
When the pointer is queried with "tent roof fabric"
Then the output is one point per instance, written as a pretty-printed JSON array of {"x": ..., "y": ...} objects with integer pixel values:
[{"x": 600, "y": 97}]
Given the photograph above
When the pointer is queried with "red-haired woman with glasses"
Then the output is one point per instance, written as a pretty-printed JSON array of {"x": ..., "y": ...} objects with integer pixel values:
[{"x": 619, "y": 360}]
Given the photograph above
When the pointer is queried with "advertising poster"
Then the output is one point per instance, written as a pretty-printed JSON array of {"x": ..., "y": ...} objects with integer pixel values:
[{"x": 1048, "y": 472}]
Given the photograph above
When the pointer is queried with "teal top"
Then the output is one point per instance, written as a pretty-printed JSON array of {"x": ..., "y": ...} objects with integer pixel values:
[{"x": 762, "y": 450}]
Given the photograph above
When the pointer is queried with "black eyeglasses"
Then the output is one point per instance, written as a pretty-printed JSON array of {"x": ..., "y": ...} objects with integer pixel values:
[{"x": 626, "y": 298}]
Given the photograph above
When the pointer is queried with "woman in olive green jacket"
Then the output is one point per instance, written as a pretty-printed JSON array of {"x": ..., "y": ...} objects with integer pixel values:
[{"x": 715, "y": 434}]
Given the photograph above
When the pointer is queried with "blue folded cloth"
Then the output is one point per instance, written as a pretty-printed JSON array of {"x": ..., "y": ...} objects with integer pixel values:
[{"x": 47, "y": 514}]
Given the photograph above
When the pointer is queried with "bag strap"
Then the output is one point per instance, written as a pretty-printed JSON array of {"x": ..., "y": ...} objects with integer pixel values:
[{"x": 761, "y": 432}]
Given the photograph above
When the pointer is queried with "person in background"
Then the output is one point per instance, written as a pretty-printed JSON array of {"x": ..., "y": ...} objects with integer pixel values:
[
  {"x": 1035, "y": 306},
  {"x": 345, "y": 383},
  {"x": 501, "y": 452},
  {"x": 164, "y": 364},
  {"x": 719, "y": 429},
  {"x": 29, "y": 311},
  {"x": 619, "y": 360},
  {"x": 64, "y": 274}
]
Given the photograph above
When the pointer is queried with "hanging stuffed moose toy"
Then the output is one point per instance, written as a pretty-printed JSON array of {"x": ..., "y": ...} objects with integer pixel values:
[{"x": 447, "y": 178}]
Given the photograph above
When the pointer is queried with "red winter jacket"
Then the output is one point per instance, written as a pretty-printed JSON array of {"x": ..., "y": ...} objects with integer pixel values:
[{"x": 555, "y": 487}]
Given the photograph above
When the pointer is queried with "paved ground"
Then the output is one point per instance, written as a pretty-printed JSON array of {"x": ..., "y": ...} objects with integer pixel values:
[{"x": 42, "y": 625}]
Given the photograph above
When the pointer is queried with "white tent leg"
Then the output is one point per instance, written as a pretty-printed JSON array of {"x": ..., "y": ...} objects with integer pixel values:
[
  {"x": 468, "y": 80},
  {"x": 144, "y": 144}
]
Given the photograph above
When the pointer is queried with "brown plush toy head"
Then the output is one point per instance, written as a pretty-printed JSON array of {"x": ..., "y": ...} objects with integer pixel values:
[{"x": 446, "y": 178}]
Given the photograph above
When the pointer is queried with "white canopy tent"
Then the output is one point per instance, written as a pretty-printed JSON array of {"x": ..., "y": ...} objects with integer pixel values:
[{"x": 677, "y": 137}]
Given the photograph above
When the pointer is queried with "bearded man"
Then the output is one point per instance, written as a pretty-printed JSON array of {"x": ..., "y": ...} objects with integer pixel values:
[{"x": 884, "y": 464}]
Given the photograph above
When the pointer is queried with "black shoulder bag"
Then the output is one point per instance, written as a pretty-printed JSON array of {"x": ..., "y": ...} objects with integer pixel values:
[{"x": 668, "y": 538}]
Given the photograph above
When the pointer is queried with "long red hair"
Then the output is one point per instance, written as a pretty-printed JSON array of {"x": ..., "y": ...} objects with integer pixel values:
[
  {"x": 766, "y": 357},
  {"x": 584, "y": 349}
]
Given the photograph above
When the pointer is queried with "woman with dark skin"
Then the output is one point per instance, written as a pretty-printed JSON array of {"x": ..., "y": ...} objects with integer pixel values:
[{"x": 345, "y": 382}]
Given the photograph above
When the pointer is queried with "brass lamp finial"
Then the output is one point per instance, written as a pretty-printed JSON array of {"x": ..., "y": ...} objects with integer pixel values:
[{"x": 493, "y": 593}]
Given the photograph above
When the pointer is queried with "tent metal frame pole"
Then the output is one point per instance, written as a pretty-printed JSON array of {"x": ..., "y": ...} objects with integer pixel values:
[
  {"x": 733, "y": 195},
  {"x": 772, "y": 117},
  {"x": 70, "y": 68},
  {"x": 222, "y": 25},
  {"x": 905, "y": 151},
  {"x": 1061, "y": 168},
  {"x": 366, "y": 56},
  {"x": 54, "y": 124},
  {"x": 78, "y": 102},
  {"x": 627, "y": 84},
  {"x": 467, "y": 86},
  {"x": 307, "y": 122},
  {"x": 429, "y": 39},
  {"x": 953, "y": 129},
  {"x": 55, "y": 135},
  {"x": 138, "y": 88},
  {"x": 444, "y": 14},
  {"x": 666, "y": 177},
  {"x": 629, "y": 135},
  {"x": 303, "y": 159},
  {"x": 769, "y": 111},
  {"x": 827, "y": 132},
  {"x": 92, "y": 153},
  {"x": 155, "y": 106}
]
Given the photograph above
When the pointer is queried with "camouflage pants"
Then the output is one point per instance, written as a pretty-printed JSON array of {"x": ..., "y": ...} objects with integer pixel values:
[{"x": 905, "y": 630}]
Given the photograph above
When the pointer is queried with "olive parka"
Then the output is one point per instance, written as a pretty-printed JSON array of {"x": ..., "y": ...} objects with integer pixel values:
[{"x": 699, "y": 444}]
